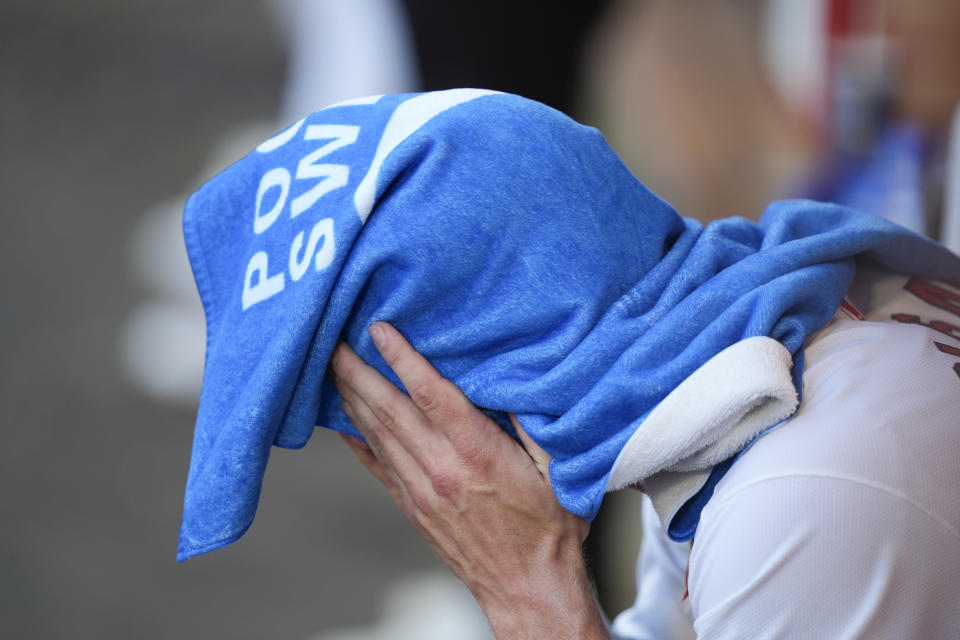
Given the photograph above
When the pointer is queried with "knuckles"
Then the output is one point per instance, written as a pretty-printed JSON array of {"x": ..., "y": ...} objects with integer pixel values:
[
  {"x": 427, "y": 397},
  {"x": 386, "y": 415},
  {"x": 442, "y": 399},
  {"x": 475, "y": 455},
  {"x": 374, "y": 437},
  {"x": 424, "y": 505},
  {"x": 444, "y": 479}
]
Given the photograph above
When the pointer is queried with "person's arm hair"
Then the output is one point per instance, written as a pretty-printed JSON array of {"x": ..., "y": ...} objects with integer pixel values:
[{"x": 483, "y": 502}]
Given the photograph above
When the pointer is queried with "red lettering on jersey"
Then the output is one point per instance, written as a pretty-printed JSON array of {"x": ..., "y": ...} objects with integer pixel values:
[
  {"x": 954, "y": 351},
  {"x": 945, "y": 348},
  {"x": 851, "y": 310},
  {"x": 935, "y": 295},
  {"x": 945, "y": 328}
]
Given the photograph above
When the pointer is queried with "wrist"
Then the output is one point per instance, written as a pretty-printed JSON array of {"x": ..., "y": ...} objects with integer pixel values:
[{"x": 555, "y": 600}]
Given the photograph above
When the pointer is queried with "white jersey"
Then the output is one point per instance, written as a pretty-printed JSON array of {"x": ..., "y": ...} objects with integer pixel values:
[{"x": 843, "y": 522}]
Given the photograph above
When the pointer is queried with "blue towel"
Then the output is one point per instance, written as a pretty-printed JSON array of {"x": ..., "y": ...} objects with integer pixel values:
[{"x": 515, "y": 251}]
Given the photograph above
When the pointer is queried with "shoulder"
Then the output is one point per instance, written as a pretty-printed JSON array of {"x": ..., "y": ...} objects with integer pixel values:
[
  {"x": 879, "y": 407},
  {"x": 840, "y": 522}
]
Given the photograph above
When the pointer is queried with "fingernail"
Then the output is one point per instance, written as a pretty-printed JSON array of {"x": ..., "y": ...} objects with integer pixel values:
[
  {"x": 347, "y": 409},
  {"x": 378, "y": 335}
]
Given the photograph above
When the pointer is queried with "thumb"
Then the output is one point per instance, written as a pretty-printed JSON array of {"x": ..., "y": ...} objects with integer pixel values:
[{"x": 540, "y": 457}]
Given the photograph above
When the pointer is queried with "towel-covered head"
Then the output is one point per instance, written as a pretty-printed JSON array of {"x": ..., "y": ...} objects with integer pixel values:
[{"x": 514, "y": 250}]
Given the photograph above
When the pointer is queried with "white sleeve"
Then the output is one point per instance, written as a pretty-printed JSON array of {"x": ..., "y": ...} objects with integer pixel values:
[
  {"x": 821, "y": 556},
  {"x": 661, "y": 612}
]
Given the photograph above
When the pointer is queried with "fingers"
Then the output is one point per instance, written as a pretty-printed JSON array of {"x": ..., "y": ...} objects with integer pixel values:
[
  {"x": 393, "y": 415},
  {"x": 394, "y": 459},
  {"x": 436, "y": 397},
  {"x": 424, "y": 430}
]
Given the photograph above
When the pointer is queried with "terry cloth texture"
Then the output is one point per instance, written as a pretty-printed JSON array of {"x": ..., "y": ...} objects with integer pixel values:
[{"x": 515, "y": 251}]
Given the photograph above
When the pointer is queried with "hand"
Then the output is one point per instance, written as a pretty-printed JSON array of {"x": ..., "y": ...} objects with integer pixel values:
[{"x": 483, "y": 502}]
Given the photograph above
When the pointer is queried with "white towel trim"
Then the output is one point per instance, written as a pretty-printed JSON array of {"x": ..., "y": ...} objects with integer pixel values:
[
  {"x": 409, "y": 116},
  {"x": 712, "y": 414}
]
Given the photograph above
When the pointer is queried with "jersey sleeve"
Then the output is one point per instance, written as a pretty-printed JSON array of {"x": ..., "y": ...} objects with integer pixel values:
[
  {"x": 661, "y": 610},
  {"x": 821, "y": 557}
]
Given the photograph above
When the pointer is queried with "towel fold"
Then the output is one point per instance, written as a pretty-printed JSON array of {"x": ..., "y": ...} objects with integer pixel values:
[{"x": 515, "y": 251}]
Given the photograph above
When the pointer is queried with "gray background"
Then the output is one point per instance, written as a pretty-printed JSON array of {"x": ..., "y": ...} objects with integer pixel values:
[{"x": 106, "y": 107}]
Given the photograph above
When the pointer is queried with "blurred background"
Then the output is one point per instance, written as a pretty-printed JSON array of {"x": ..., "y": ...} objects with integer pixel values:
[{"x": 112, "y": 112}]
